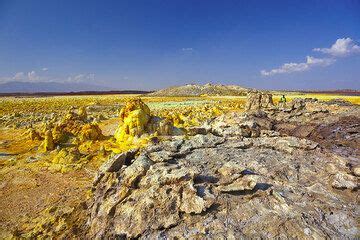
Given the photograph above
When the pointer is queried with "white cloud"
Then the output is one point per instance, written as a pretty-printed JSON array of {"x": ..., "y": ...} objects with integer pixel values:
[
  {"x": 299, "y": 67},
  {"x": 81, "y": 78},
  {"x": 32, "y": 76},
  {"x": 312, "y": 61},
  {"x": 44, "y": 69},
  {"x": 19, "y": 76},
  {"x": 342, "y": 47}
]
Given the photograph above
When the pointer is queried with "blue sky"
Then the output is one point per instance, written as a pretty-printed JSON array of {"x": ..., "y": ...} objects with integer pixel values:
[{"x": 154, "y": 44}]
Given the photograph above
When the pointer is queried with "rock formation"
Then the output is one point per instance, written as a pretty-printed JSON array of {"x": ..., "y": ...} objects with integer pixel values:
[
  {"x": 136, "y": 120},
  {"x": 82, "y": 113},
  {"x": 258, "y": 174},
  {"x": 239, "y": 178},
  {"x": 134, "y": 117},
  {"x": 90, "y": 131},
  {"x": 258, "y": 100},
  {"x": 48, "y": 143}
]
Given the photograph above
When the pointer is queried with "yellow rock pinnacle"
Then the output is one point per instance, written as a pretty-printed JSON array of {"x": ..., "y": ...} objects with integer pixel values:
[
  {"x": 134, "y": 117},
  {"x": 48, "y": 143},
  {"x": 82, "y": 113}
]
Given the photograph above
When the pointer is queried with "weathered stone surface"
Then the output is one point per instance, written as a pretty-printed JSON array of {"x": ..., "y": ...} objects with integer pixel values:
[
  {"x": 343, "y": 180},
  {"x": 285, "y": 144},
  {"x": 247, "y": 182},
  {"x": 356, "y": 171},
  {"x": 258, "y": 100},
  {"x": 242, "y": 179},
  {"x": 116, "y": 162},
  {"x": 209, "y": 187}
]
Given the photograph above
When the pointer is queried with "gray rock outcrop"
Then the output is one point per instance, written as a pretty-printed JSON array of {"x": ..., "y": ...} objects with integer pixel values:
[{"x": 240, "y": 179}]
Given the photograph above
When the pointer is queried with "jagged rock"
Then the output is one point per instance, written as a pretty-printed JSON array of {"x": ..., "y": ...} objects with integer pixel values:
[
  {"x": 258, "y": 100},
  {"x": 115, "y": 163},
  {"x": 161, "y": 156},
  {"x": 246, "y": 182},
  {"x": 266, "y": 101},
  {"x": 202, "y": 141},
  {"x": 238, "y": 176},
  {"x": 132, "y": 174},
  {"x": 356, "y": 171},
  {"x": 343, "y": 180},
  {"x": 197, "y": 130},
  {"x": 192, "y": 203},
  {"x": 205, "y": 181},
  {"x": 153, "y": 196},
  {"x": 230, "y": 169},
  {"x": 296, "y": 104}
]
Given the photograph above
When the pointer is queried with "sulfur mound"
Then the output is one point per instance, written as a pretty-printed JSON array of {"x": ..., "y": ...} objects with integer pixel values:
[
  {"x": 137, "y": 123},
  {"x": 134, "y": 117},
  {"x": 75, "y": 125},
  {"x": 90, "y": 131}
]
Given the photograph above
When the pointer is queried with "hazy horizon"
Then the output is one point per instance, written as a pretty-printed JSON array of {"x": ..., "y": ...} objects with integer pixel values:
[{"x": 312, "y": 45}]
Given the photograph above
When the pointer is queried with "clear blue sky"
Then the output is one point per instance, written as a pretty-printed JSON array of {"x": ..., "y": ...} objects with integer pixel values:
[{"x": 153, "y": 44}]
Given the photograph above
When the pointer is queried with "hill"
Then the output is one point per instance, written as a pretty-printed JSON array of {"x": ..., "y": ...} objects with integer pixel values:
[{"x": 197, "y": 90}]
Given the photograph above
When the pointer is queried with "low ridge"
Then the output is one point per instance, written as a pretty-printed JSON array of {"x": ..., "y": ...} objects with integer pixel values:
[{"x": 206, "y": 89}]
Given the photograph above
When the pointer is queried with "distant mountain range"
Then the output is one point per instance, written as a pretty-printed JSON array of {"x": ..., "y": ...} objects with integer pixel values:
[{"x": 39, "y": 87}]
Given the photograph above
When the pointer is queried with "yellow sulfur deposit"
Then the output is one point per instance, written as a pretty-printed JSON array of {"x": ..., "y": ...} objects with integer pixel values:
[
  {"x": 138, "y": 126},
  {"x": 82, "y": 113},
  {"x": 33, "y": 134},
  {"x": 48, "y": 143},
  {"x": 90, "y": 131},
  {"x": 134, "y": 117}
]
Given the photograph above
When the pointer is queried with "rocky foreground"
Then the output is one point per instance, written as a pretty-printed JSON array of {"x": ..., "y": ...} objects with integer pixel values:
[
  {"x": 237, "y": 177},
  {"x": 289, "y": 171}
]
